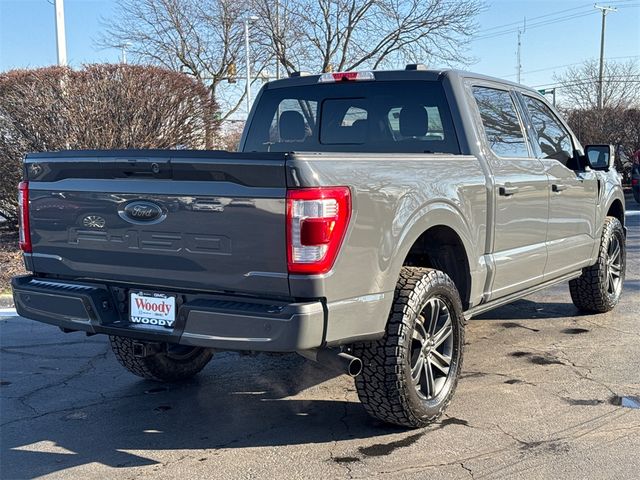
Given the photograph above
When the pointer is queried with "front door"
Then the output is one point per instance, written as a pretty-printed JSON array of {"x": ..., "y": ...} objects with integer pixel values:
[
  {"x": 573, "y": 193},
  {"x": 521, "y": 195}
]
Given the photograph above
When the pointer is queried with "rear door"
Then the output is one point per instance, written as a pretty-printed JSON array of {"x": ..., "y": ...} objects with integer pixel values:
[
  {"x": 573, "y": 192},
  {"x": 520, "y": 194},
  {"x": 213, "y": 221}
]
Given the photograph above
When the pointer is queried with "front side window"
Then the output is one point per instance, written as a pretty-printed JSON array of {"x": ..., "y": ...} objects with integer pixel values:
[
  {"x": 501, "y": 123},
  {"x": 553, "y": 138}
]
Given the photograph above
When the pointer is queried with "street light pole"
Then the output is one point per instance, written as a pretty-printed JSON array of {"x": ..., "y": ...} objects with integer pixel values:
[
  {"x": 124, "y": 47},
  {"x": 61, "y": 41},
  {"x": 277, "y": 40},
  {"x": 604, "y": 11},
  {"x": 246, "y": 56},
  {"x": 123, "y": 57},
  {"x": 248, "y": 59}
]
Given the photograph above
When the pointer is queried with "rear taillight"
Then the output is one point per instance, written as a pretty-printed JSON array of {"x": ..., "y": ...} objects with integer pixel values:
[
  {"x": 317, "y": 219},
  {"x": 23, "y": 205},
  {"x": 634, "y": 181}
]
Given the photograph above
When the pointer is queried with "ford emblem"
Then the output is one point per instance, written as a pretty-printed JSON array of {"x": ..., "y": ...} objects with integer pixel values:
[{"x": 142, "y": 212}]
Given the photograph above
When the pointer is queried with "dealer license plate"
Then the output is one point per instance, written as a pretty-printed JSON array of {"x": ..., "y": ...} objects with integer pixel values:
[{"x": 152, "y": 309}]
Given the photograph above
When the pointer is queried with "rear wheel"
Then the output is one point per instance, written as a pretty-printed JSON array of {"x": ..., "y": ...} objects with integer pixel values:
[
  {"x": 171, "y": 364},
  {"x": 599, "y": 287},
  {"x": 409, "y": 376}
]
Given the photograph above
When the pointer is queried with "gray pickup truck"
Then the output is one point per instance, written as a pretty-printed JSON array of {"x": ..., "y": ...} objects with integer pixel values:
[{"x": 365, "y": 217}]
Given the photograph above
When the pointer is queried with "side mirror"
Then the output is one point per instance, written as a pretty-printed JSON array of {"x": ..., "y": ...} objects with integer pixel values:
[{"x": 600, "y": 157}]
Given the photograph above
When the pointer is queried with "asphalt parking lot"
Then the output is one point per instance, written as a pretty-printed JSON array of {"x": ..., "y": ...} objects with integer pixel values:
[{"x": 545, "y": 394}]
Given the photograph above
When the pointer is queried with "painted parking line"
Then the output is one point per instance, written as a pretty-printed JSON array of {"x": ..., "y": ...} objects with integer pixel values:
[
  {"x": 632, "y": 213},
  {"x": 8, "y": 312}
]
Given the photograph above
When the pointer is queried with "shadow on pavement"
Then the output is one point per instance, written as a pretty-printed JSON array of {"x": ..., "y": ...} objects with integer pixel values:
[
  {"x": 237, "y": 402},
  {"x": 530, "y": 310}
]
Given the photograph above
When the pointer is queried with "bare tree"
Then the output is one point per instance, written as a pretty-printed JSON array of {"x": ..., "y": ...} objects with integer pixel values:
[
  {"x": 99, "y": 106},
  {"x": 616, "y": 126},
  {"x": 620, "y": 86},
  {"x": 229, "y": 136},
  {"x": 203, "y": 38},
  {"x": 325, "y": 35}
]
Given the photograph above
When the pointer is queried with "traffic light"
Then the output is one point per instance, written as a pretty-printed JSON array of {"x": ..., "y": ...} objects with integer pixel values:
[{"x": 232, "y": 73}]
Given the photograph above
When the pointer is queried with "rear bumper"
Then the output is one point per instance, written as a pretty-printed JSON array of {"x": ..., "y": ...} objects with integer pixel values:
[{"x": 212, "y": 321}]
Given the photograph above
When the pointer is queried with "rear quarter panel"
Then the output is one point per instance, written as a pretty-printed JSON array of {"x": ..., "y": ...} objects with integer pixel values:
[{"x": 395, "y": 199}]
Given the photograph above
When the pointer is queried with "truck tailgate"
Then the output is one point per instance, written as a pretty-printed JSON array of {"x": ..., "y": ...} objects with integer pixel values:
[{"x": 172, "y": 219}]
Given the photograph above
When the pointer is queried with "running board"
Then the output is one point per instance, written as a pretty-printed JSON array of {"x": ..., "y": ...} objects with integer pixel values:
[{"x": 485, "y": 307}]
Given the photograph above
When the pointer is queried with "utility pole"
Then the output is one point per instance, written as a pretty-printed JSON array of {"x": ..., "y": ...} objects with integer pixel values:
[
  {"x": 61, "y": 41},
  {"x": 604, "y": 11},
  {"x": 520, "y": 33}
]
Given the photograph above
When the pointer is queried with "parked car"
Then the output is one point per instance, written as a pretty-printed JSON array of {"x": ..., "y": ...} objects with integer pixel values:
[{"x": 366, "y": 217}]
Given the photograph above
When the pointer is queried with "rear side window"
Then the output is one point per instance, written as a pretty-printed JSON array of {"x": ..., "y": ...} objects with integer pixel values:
[
  {"x": 375, "y": 116},
  {"x": 553, "y": 138},
  {"x": 501, "y": 123}
]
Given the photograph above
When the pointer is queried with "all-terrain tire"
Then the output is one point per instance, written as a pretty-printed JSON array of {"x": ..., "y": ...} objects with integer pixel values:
[
  {"x": 385, "y": 386},
  {"x": 170, "y": 365},
  {"x": 592, "y": 292}
]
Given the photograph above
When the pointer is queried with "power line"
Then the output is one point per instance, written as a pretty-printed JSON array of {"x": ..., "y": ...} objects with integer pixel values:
[
  {"x": 557, "y": 12},
  {"x": 497, "y": 27},
  {"x": 549, "y": 21},
  {"x": 536, "y": 25},
  {"x": 566, "y": 65},
  {"x": 631, "y": 78}
]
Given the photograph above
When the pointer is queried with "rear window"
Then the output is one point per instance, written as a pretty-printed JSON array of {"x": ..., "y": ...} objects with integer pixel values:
[{"x": 392, "y": 117}]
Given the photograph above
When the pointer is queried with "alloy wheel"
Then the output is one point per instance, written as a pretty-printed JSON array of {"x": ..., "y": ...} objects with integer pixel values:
[
  {"x": 432, "y": 349},
  {"x": 614, "y": 266}
]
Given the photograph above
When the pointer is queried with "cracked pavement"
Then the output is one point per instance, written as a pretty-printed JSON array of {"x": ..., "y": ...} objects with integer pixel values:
[{"x": 536, "y": 400}]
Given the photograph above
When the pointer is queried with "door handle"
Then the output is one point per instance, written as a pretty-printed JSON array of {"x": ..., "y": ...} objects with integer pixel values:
[
  {"x": 507, "y": 190},
  {"x": 558, "y": 187}
]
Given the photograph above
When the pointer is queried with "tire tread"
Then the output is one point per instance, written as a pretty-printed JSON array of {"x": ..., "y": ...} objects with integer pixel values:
[
  {"x": 159, "y": 368},
  {"x": 589, "y": 291},
  {"x": 382, "y": 386}
]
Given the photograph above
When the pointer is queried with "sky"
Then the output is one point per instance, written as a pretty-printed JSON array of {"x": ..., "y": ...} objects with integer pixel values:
[{"x": 558, "y": 33}]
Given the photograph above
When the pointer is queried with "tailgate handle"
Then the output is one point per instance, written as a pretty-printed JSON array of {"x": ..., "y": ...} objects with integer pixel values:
[{"x": 143, "y": 169}]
